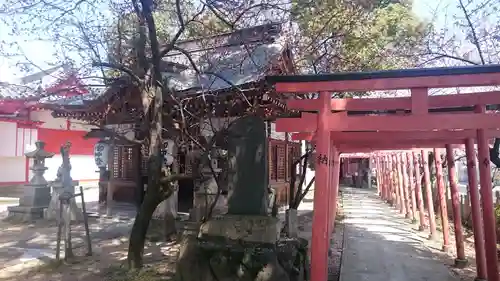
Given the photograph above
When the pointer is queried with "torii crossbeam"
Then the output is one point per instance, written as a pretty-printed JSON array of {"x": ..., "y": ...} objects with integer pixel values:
[{"x": 366, "y": 125}]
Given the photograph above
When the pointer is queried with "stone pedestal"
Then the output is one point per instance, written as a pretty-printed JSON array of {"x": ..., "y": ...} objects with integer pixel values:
[
  {"x": 260, "y": 229},
  {"x": 35, "y": 200},
  {"x": 52, "y": 212},
  {"x": 36, "y": 194},
  {"x": 292, "y": 223}
]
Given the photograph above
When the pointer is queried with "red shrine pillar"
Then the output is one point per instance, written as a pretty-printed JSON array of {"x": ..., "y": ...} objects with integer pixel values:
[
  {"x": 477, "y": 220},
  {"x": 335, "y": 181},
  {"x": 428, "y": 193},
  {"x": 320, "y": 240},
  {"x": 406, "y": 181},
  {"x": 385, "y": 178},
  {"x": 397, "y": 182},
  {"x": 406, "y": 189},
  {"x": 329, "y": 194},
  {"x": 401, "y": 183},
  {"x": 379, "y": 176},
  {"x": 411, "y": 186},
  {"x": 487, "y": 202},
  {"x": 442, "y": 199},
  {"x": 388, "y": 179},
  {"x": 392, "y": 183},
  {"x": 460, "y": 261},
  {"x": 418, "y": 192}
]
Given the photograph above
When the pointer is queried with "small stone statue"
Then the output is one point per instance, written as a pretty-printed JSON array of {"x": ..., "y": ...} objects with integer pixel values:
[
  {"x": 63, "y": 172},
  {"x": 63, "y": 184}
]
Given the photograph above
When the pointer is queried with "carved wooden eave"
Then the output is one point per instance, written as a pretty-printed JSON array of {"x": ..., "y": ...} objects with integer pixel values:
[{"x": 121, "y": 99}]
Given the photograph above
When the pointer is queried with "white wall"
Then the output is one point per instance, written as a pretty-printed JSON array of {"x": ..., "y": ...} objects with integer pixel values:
[
  {"x": 57, "y": 123},
  {"x": 82, "y": 167},
  {"x": 8, "y": 141},
  {"x": 49, "y": 121},
  {"x": 309, "y": 173},
  {"x": 12, "y": 169},
  {"x": 26, "y": 139},
  {"x": 276, "y": 135}
]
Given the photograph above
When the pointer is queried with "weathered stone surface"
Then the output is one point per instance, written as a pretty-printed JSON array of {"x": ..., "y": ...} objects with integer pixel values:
[
  {"x": 291, "y": 222},
  {"x": 243, "y": 244},
  {"x": 247, "y": 167},
  {"x": 52, "y": 212},
  {"x": 247, "y": 228},
  {"x": 283, "y": 261},
  {"x": 36, "y": 194},
  {"x": 63, "y": 184},
  {"x": 25, "y": 213}
]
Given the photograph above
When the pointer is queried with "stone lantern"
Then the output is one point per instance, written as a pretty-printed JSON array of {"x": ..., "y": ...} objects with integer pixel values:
[
  {"x": 101, "y": 153},
  {"x": 36, "y": 195}
]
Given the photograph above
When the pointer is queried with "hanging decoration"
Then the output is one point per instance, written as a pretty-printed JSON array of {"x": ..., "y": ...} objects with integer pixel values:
[
  {"x": 167, "y": 152},
  {"x": 101, "y": 151}
]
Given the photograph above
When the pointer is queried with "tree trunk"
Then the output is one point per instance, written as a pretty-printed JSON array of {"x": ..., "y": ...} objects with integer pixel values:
[{"x": 140, "y": 229}]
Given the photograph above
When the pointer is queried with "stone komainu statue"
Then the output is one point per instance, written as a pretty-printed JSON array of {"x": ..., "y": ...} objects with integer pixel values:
[{"x": 65, "y": 167}]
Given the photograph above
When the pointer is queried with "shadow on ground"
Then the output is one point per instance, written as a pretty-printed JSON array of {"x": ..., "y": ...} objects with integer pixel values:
[{"x": 379, "y": 245}]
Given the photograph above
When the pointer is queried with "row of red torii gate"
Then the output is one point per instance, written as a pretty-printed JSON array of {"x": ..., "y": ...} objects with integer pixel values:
[{"x": 397, "y": 132}]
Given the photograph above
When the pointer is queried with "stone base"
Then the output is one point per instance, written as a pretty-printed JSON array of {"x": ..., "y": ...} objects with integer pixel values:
[
  {"x": 199, "y": 261},
  {"x": 35, "y": 195},
  {"x": 445, "y": 248},
  {"x": 52, "y": 212},
  {"x": 25, "y": 214},
  {"x": 459, "y": 263},
  {"x": 261, "y": 229},
  {"x": 292, "y": 223}
]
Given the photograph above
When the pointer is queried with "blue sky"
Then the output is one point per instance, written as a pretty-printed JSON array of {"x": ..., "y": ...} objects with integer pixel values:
[
  {"x": 427, "y": 8},
  {"x": 40, "y": 52}
]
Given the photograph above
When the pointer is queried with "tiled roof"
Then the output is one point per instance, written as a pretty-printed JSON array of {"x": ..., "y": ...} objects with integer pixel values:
[
  {"x": 226, "y": 60},
  {"x": 34, "y": 85}
]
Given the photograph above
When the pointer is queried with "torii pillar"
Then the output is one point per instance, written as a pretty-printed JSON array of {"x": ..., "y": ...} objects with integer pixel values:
[
  {"x": 442, "y": 199},
  {"x": 460, "y": 261},
  {"x": 418, "y": 192},
  {"x": 490, "y": 236},
  {"x": 335, "y": 182},
  {"x": 411, "y": 187},
  {"x": 392, "y": 188},
  {"x": 402, "y": 202},
  {"x": 428, "y": 193},
  {"x": 477, "y": 220},
  {"x": 320, "y": 240},
  {"x": 406, "y": 186},
  {"x": 385, "y": 183},
  {"x": 376, "y": 159}
]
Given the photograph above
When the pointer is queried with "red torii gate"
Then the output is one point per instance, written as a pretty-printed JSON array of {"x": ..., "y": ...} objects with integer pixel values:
[{"x": 439, "y": 120}]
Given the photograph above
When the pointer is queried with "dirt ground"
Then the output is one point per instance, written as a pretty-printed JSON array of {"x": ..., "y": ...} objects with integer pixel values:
[
  {"x": 106, "y": 263},
  {"x": 109, "y": 259}
]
